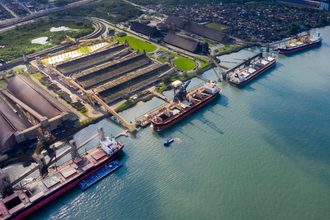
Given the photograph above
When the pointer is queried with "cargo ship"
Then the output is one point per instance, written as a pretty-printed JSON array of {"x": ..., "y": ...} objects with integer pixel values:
[
  {"x": 301, "y": 43},
  {"x": 243, "y": 76},
  {"x": 20, "y": 201},
  {"x": 184, "y": 104}
]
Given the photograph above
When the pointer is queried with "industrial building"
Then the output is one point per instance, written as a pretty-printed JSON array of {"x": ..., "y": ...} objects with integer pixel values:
[
  {"x": 205, "y": 32},
  {"x": 177, "y": 24},
  {"x": 90, "y": 60},
  {"x": 114, "y": 72},
  {"x": 151, "y": 32},
  {"x": 27, "y": 112},
  {"x": 185, "y": 43}
]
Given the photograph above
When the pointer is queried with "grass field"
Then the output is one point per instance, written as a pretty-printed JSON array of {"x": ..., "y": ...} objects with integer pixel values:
[
  {"x": 181, "y": 63},
  {"x": 3, "y": 84},
  {"x": 18, "y": 40},
  {"x": 137, "y": 44},
  {"x": 184, "y": 64},
  {"x": 38, "y": 76},
  {"x": 230, "y": 48},
  {"x": 217, "y": 26}
]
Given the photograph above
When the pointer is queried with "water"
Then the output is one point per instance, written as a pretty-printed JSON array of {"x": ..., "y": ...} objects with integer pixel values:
[{"x": 258, "y": 153}]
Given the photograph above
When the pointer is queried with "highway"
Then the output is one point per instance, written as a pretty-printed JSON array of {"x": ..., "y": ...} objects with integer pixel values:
[{"x": 12, "y": 23}]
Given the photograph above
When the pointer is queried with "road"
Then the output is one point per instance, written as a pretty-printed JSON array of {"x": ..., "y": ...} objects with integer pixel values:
[
  {"x": 12, "y": 23},
  {"x": 100, "y": 29}
]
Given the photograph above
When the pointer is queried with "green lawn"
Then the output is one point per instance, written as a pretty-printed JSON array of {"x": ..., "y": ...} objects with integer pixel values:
[
  {"x": 181, "y": 63},
  {"x": 217, "y": 26},
  {"x": 137, "y": 44},
  {"x": 230, "y": 48},
  {"x": 3, "y": 84},
  {"x": 18, "y": 40},
  {"x": 184, "y": 64},
  {"x": 38, "y": 76}
]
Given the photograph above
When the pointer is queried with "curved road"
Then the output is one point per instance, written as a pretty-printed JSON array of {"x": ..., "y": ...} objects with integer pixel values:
[{"x": 100, "y": 29}]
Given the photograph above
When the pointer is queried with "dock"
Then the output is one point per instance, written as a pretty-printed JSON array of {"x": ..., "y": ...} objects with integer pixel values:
[
  {"x": 159, "y": 95},
  {"x": 244, "y": 63}
]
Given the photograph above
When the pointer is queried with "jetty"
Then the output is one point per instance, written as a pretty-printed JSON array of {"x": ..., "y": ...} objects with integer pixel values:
[{"x": 244, "y": 63}]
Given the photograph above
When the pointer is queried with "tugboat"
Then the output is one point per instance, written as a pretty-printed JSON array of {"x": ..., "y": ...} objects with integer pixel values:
[
  {"x": 168, "y": 141},
  {"x": 184, "y": 104},
  {"x": 243, "y": 76},
  {"x": 301, "y": 43},
  {"x": 19, "y": 201}
]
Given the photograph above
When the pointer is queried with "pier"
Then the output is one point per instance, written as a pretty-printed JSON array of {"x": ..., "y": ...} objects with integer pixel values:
[
  {"x": 130, "y": 126},
  {"x": 244, "y": 63},
  {"x": 159, "y": 95}
]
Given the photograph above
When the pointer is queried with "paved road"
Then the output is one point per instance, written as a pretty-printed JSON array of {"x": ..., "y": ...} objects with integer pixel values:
[{"x": 6, "y": 25}]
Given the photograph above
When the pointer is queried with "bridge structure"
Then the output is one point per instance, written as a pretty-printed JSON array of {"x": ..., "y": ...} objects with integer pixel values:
[{"x": 129, "y": 125}]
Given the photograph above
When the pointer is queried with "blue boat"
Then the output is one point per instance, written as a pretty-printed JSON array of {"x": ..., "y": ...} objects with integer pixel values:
[
  {"x": 168, "y": 141},
  {"x": 103, "y": 172}
]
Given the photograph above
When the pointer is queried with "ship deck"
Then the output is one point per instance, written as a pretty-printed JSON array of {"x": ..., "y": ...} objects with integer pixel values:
[
  {"x": 175, "y": 109},
  {"x": 57, "y": 177}
]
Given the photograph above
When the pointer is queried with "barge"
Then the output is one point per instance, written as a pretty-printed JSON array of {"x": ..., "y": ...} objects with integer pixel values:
[
  {"x": 102, "y": 173},
  {"x": 184, "y": 104},
  {"x": 243, "y": 76},
  {"x": 21, "y": 201},
  {"x": 301, "y": 43}
]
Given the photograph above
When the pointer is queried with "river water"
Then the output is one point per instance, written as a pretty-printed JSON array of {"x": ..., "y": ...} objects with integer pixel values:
[{"x": 262, "y": 152}]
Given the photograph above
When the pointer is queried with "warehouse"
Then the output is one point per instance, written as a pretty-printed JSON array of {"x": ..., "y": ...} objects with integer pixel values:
[
  {"x": 90, "y": 60},
  {"x": 182, "y": 42},
  {"x": 26, "y": 110},
  {"x": 151, "y": 32}
]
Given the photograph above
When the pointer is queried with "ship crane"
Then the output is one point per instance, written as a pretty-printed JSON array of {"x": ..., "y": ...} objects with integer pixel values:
[{"x": 180, "y": 95}]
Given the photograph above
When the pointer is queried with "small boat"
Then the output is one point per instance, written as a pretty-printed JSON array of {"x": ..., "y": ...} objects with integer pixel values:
[
  {"x": 103, "y": 172},
  {"x": 168, "y": 141}
]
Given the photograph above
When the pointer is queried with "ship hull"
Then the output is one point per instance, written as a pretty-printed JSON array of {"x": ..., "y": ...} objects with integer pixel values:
[
  {"x": 287, "y": 51},
  {"x": 255, "y": 75},
  {"x": 160, "y": 127},
  {"x": 57, "y": 193}
]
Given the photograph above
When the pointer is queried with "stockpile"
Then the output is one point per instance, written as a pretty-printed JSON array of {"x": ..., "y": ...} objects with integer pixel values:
[
  {"x": 88, "y": 61},
  {"x": 103, "y": 74},
  {"x": 131, "y": 82}
]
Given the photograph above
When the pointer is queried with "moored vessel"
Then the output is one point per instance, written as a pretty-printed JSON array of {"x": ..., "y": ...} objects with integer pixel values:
[
  {"x": 102, "y": 173},
  {"x": 20, "y": 201},
  {"x": 241, "y": 77},
  {"x": 301, "y": 43},
  {"x": 184, "y": 104}
]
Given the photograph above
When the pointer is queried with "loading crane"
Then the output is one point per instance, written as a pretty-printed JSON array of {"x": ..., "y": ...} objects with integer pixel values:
[{"x": 180, "y": 95}]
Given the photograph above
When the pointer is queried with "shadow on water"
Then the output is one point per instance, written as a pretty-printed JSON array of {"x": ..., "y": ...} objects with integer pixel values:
[
  {"x": 262, "y": 79},
  {"x": 303, "y": 128},
  {"x": 224, "y": 101},
  {"x": 211, "y": 124}
]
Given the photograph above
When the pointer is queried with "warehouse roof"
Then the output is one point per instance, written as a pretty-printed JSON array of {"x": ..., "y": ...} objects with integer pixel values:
[
  {"x": 206, "y": 32},
  {"x": 144, "y": 29},
  {"x": 27, "y": 92},
  {"x": 181, "y": 42},
  {"x": 176, "y": 22},
  {"x": 10, "y": 123}
]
